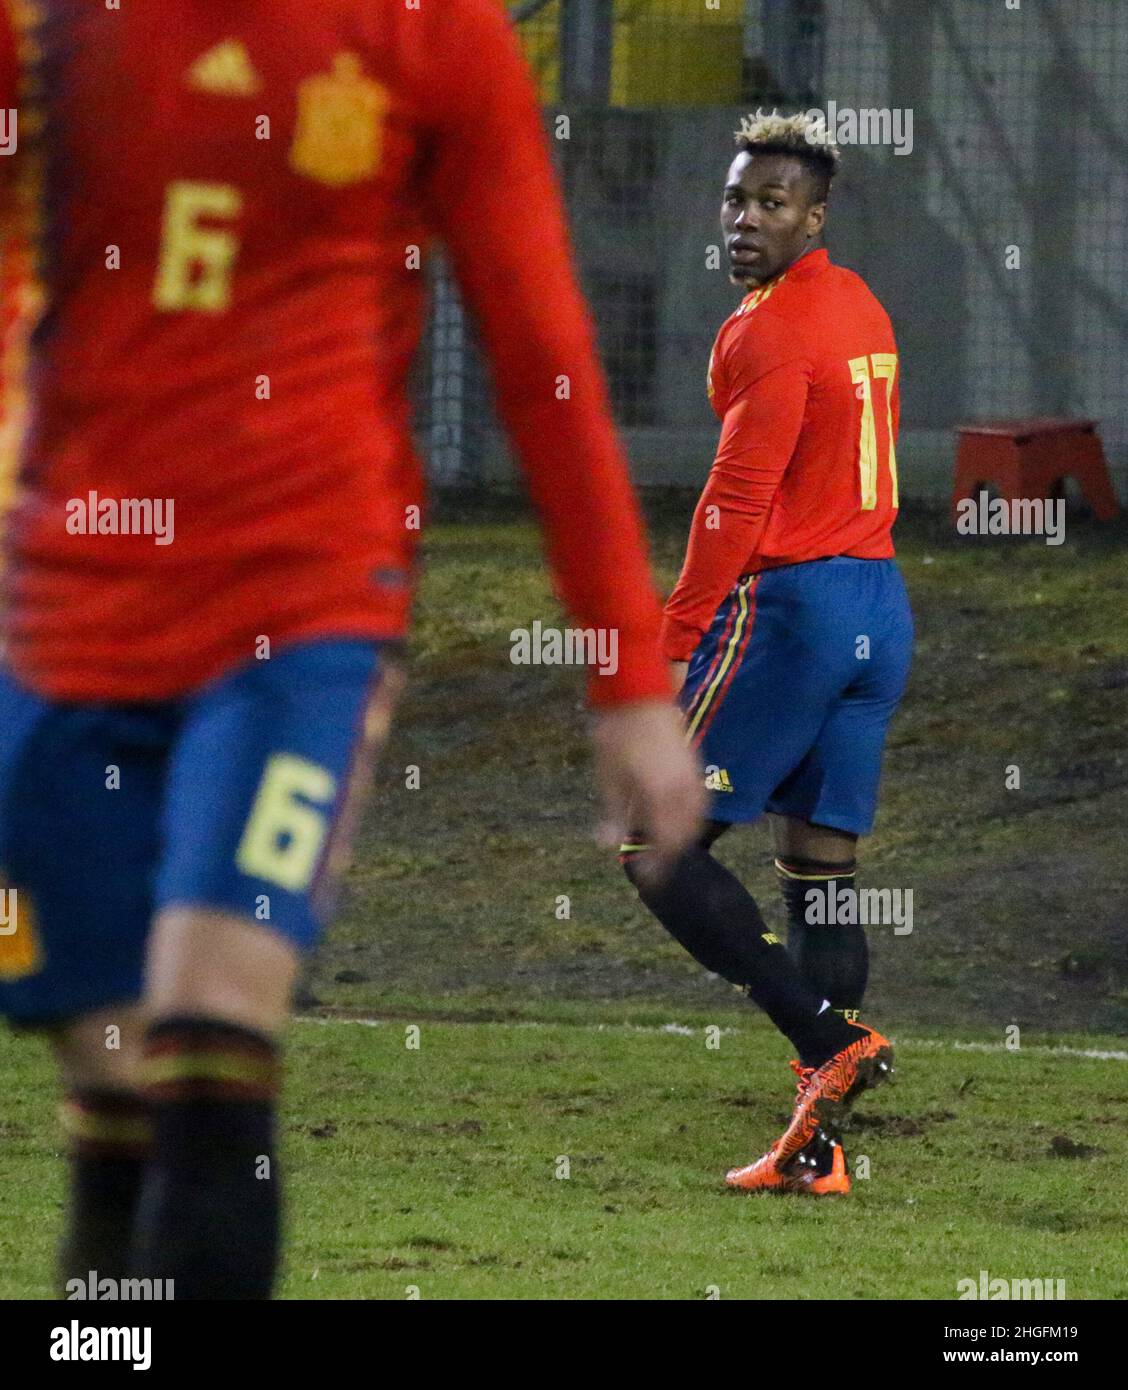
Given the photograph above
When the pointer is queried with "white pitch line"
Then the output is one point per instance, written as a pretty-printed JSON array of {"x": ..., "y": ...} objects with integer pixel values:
[
  {"x": 1042, "y": 1049},
  {"x": 682, "y": 1030},
  {"x": 359, "y": 1022}
]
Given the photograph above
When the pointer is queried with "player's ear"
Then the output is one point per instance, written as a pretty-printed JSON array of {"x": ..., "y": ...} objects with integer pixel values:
[{"x": 816, "y": 216}]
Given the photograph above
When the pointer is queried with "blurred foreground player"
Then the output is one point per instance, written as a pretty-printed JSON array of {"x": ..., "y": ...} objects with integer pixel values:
[
  {"x": 211, "y": 560},
  {"x": 792, "y": 621}
]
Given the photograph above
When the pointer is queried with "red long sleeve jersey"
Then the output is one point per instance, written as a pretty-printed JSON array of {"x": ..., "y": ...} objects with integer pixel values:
[
  {"x": 228, "y": 204},
  {"x": 804, "y": 378}
]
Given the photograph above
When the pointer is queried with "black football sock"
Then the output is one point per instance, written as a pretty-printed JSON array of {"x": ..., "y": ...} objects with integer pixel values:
[
  {"x": 706, "y": 908},
  {"x": 210, "y": 1210},
  {"x": 833, "y": 957},
  {"x": 109, "y": 1136}
]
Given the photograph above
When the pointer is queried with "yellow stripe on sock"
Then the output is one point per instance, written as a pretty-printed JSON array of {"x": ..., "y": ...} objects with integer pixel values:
[
  {"x": 209, "y": 1066},
  {"x": 785, "y": 872}
]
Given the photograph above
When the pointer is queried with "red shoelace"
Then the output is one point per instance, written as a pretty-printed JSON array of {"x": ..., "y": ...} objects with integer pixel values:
[{"x": 804, "y": 1074}]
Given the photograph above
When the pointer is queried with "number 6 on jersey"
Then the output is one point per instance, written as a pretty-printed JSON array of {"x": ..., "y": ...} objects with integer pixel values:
[{"x": 196, "y": 260}]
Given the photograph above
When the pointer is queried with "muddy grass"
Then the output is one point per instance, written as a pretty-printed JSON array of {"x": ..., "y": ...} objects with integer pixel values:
[{"x": 1021, "y": 674}]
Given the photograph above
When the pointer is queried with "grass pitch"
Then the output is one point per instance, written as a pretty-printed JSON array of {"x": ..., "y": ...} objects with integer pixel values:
[
  {"x": 440, "y": 1169},
  {"x": 541, "y": 1036}
]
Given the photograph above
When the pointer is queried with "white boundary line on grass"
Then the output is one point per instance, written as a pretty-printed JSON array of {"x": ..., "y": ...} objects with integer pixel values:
[
  {"x": 937, "y": 1044},
  {"x": 1095, "y": 1054}
]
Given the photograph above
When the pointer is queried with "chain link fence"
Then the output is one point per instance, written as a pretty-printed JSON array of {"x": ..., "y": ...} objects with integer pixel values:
[{"x": 991, "y": 216}]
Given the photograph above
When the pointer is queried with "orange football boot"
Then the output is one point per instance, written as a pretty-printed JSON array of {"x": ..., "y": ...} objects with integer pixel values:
[
  {"x": 824, "y": 1094},
  {"x": 835, "y": 1182},
  {"x": 763, "y": 1175},
  {"x": 823, "y": 1169},
  {"x": 820, "y": 1171}
]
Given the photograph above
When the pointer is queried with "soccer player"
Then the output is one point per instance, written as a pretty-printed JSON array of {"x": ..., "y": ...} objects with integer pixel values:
[
  {"x": 789, "y": 632},
  {"x": 211, "y": 559}
]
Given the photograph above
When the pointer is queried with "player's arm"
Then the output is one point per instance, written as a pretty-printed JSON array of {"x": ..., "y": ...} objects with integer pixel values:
[
  {"x": 9, "y": 96},
  {"x": 494, "y": 200},
  {"x": 770, "y": 380}
]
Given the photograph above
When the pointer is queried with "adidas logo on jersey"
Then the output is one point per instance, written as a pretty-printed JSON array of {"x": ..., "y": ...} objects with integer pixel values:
[
  {"x": 225, "y": 70},
  {"x": 717, "y": 780}
]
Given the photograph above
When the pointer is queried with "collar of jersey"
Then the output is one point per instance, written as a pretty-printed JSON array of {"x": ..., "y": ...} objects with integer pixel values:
[{"x": 808, "y": 264}]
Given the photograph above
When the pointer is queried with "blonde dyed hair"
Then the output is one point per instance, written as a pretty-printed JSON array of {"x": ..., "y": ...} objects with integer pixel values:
[{"x": 804, "y": 135}]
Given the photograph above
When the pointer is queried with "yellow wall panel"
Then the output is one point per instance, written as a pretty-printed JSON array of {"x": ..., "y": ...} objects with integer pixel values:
[{"x": 666, "y": 52}]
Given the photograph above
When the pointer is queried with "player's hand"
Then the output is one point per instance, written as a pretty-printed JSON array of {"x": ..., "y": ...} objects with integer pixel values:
[
  {"x": 678, "y": 672},
  {"x": 651, "y": 780}
]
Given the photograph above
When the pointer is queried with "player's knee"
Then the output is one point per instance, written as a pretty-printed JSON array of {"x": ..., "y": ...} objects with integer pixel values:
[
  {"x": 100, "y": 1051},
  {"x": 651, "y": 888},
  {"x": 219, "y": 966},
  {"x": 630, "y": 853},
  {"x": 632, "y": 850},
  {"x": 819, "y": 845}
]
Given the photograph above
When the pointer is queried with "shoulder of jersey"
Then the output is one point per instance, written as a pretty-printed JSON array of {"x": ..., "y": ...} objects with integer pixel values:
[
  {"x": 845, "y": 278},
  {"x": 759, "y": 297},
  {"x": 763, "y": 315},
  {"x": 854, "y": 291}
]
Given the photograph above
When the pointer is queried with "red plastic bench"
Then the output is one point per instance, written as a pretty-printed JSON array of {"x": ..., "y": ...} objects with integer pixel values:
[{"x": 1030, "y": 458}]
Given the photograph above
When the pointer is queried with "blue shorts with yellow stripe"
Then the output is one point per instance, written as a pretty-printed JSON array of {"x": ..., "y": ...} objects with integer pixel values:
[
  {"x": 239, "y": 797},
  {"x": 790, "y": 693}
]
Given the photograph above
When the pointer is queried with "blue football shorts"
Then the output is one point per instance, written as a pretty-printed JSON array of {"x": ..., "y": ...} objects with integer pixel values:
[
  {"x": 789, "y": 694},
  {"x": 240, "y": 797}
]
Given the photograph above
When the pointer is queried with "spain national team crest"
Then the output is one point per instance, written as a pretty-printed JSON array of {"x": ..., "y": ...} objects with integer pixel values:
[{"x": 338, "y": 133}]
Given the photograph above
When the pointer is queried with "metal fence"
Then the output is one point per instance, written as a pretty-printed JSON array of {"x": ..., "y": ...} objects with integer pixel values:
[{"x": 997, "y": 237}]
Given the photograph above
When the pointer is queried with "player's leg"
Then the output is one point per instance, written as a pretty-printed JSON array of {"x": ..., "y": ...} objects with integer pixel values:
[
  {"x": 261, "y": 801},
  {"x": 830, "y": 799},
  {"x": 836, "y": 782},
  {"x": 705, "y": 907},
  {"x": 109, "y": 1137},
  {"x": 218, "y": 964},
  {"x": 816, "y": 864},
  {"x": 834, "y": 789},
  {"x": 79, "y": 797},
  {"x": 218, "y": 988},
  {"x": 745, "y": 711}
]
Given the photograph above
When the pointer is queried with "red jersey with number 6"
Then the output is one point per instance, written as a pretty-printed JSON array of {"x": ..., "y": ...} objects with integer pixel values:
[
  {"x": 228, "y": 206},
  {"x": 804, "y": 377}
]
